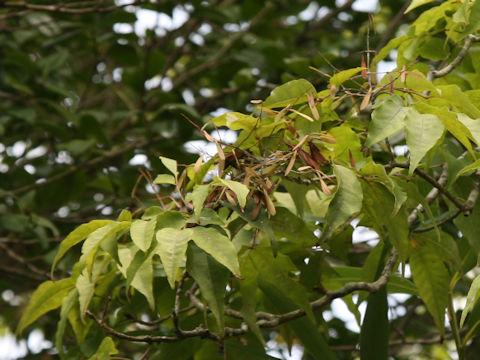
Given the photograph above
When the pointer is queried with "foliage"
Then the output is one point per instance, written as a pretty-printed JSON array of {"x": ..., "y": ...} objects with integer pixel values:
[{"x": 254, "y": 243}]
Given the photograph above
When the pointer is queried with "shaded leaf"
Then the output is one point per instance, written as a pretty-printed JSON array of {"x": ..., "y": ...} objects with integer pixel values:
[
  {"x": 432, "y": 280},
  {"x": 211, "y": 278}
]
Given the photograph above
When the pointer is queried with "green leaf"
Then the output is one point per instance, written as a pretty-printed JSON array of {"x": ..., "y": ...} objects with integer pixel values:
[
  {"x": 423, "y": 132},
  {"x": 106, "y": 348},
  {"x": 67, "y": 304},
  {"x": 276, "y": 270},
  {"x": 165, "y": 179},
  {"x": 241, "y": 190},
  {"x": 197, "y": 197},
  {"x": 379, "y": 205},
  {"x": 170, "y": 164},
  {"x": 472, "y": 298},
  {"x": 85, "y": 284},
  {"x": 374, "y": 334},
  {"x": 172, "y": 246},
  {"x": 416, "y": 3},
  {"x": 142, "y": 231},
  {"x": 291, "y": 93},
  {"x": 342, "y": 76},
  {"x": 347, "y": 201},
  {"x": 48, "y": 296},
  {"x": 236, "y": 121},
  {"x": 95, "y": 239},
  {"x": 211, "y": 278},
  {"x": 311, "y": 338},
  {"x": 218, "y": 245},
  {"x": 473, "y": 19},
  {"x": 248, "y": 291},
  {"x": 125, "y": 215},
  {"x": 387, "y": 119},
  {"x": 76, "y": 236},
  {"x": 432, "y": 280},
  {"x": 143, "y": 280},
  {"x": 471, "y": 124},
  {"x": 471, "y": 167}
]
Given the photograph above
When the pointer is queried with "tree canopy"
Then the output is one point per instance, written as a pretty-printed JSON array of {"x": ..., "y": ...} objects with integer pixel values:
[{"x": 121, "y": 240}]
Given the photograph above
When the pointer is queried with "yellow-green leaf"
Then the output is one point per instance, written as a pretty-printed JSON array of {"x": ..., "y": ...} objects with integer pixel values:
[
  {"x": 172, "y": 245},
  {"x": 170, "y": 164},
  {"x": 142, "y": 232},
  {"x": 241, "y": 190},
  {"x": 48, "y": 296},
  {"x": 218, "y": 245},
  {"x": 342, "y": 76},
  {"x": 77, "y": 236},
  {"x": 291, "y": 93},
  {"x": 423, "y": 132},
  {"x": 106, "y": 348}
]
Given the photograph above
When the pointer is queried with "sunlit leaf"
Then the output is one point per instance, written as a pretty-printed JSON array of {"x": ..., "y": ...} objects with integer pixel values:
[
  {"x": 77, "y": 236},
  {"x": 291, "y": 93},
  {"x": 423, "y": 132},
  {"x": 48, "y": 296},
  {"x": 142, "y": 231},
  {"x": 172, "y": 245},
  {"x": 218, "y": 246},
  {"x": 342, "y": 76}
]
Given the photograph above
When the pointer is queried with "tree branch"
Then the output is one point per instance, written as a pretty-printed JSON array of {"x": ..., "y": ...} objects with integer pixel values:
[
  {"x": 68, "y": 8},
  {"x": 448, "y": 68}
]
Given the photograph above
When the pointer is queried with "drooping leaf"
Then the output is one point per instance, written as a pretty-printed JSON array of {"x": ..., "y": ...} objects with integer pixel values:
[
  {"x": 248, "y": 290},
  {"x": 423, "y": 132},
  {"x": 346, "y": 202},
  {"x": 375, "y": 328},
  {"x": 291, "y": 93},
  {"x": 432, "y": 280},
  {"x": 48, "y": 296},
  {"x": 387, "y": 119},
  {"x": 77, "y": 236},
  {"x": 379, "y": 205},
  {"x": 172, "y": 246},
  {"x": 211, "y": 278},
  {"x": 303, "y": 327},
  {"x": 276, "y": 270},
  {"x": 218, "y": 246},
  {"x": 142, "y": 231},
  {"x": 143, "y": 280},
  {"x": 67, "y": 304}
]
